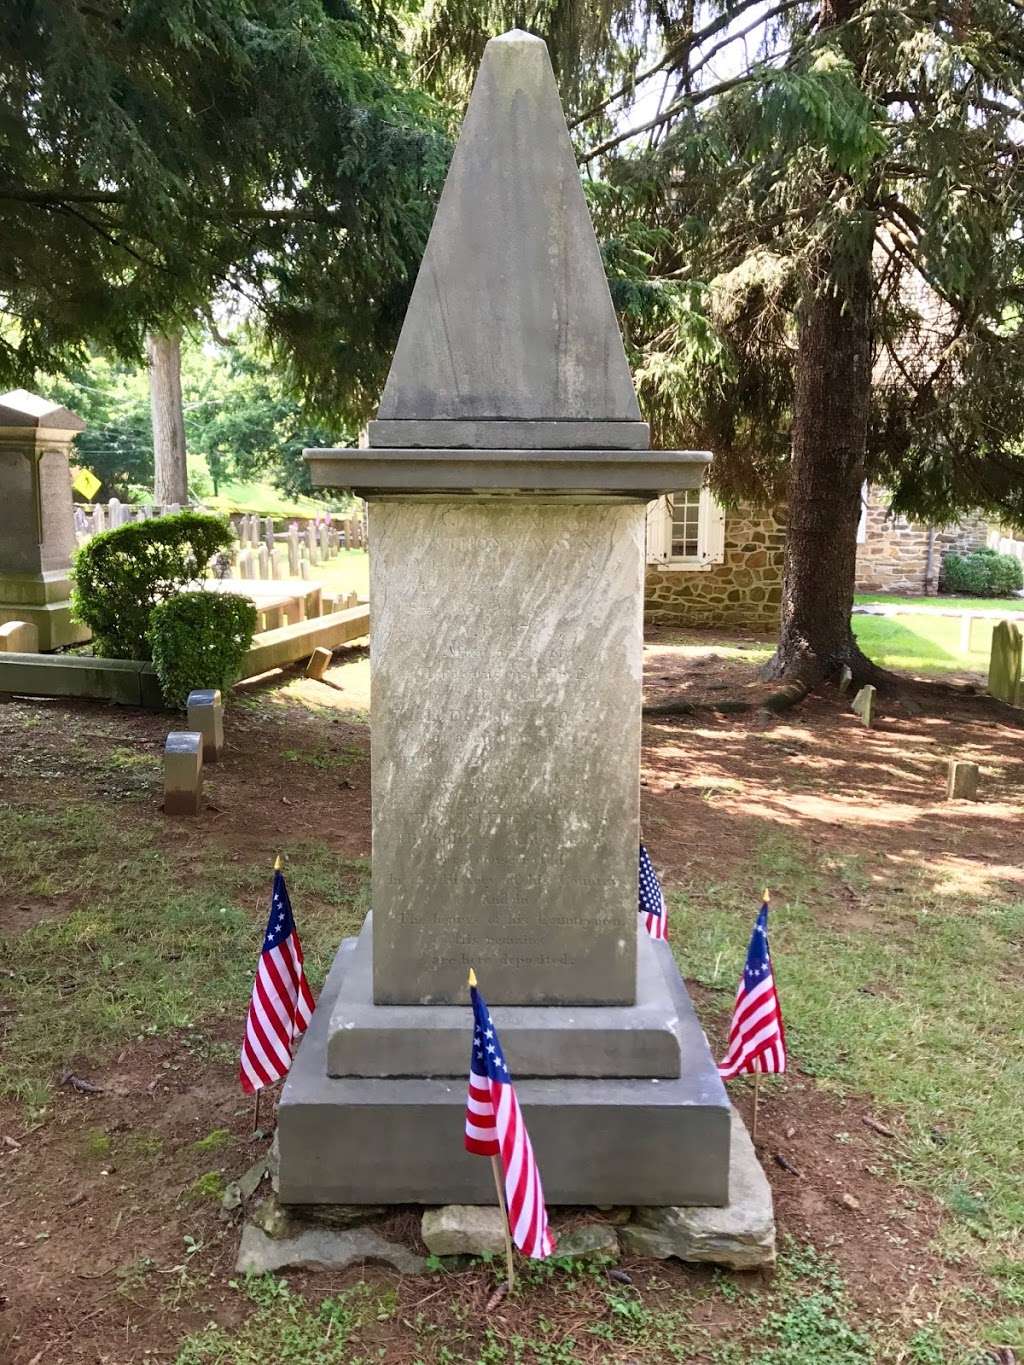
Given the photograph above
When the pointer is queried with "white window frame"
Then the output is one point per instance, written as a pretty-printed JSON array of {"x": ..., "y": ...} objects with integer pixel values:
[{"x": 710, "y": 535}]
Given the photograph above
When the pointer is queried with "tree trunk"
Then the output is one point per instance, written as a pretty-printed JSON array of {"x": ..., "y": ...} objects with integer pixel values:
[
  {"x": 832, "y": 394},
  {"x": 170, "y": 475}
]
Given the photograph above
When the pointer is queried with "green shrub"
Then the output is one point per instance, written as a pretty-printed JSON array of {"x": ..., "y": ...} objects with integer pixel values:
[
  {"x": 982, "y": 573},
  {"x": 199, "y": 639},
  {"x": 121, "y": 575}
]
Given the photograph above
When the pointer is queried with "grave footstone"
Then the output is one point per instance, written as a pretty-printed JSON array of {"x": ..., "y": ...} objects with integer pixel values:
[
  {"x": 507, "y": 478},
  {"x": 19, "y": 637},
  {"x": 1004, "y": 669},
  {"x": 37, "y": 528},
  {"x": 183, "y": 773},
  {"x": 206, "y": 715},
  {"x": 962, "y": 780},
  {"x": 863, "y": 704},
  {"x": 319, "y": 663}
]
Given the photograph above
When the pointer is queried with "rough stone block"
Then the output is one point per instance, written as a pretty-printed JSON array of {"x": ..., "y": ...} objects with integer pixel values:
[
  {"x": 589, "y": 1241},
  {"x": 319, "y": 663},
  {"x": 19, "y": 637},
  {"x": 183, "y": 773},
  {"x": 206, "y": 714},
  {"x": 320, "y": 1248},
  {"x": 962, "y": 781},
  {"x": 740, "y": 1235},
  {"x": 463, "y": 1230},
  {"x": 863, "y": 704},
  {"x": 645, "y": 1039}
]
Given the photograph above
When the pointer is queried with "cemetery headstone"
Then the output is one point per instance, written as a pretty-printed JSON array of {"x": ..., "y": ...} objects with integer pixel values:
[
  {"x": 507, "y": 478},
  {"x": 863, "y": 704},
  {"x": 263, "y": 559},
  {"x": 37, "y": 528},
  {"x": 293, "y": 551},
  {"x": 183, "y": 773},
  {"x": 1004, "y": 669},
  {"x": 962, "y": 780},
  {"x": 206, "y": 715}
]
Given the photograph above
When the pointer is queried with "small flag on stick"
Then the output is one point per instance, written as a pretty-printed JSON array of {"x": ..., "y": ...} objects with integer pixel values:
[
  {"x": 495, "y": 1128},
  {"x": 652, "y": 900},
  {"x": 757, "y": 1039},
  {"x": 281, "y": 1005}
]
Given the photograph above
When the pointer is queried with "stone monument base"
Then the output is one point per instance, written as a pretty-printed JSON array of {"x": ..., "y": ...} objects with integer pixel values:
[
  {"x": 656, "y": 1141},
  {"x": 45, "y": 600},
  {"x": 377, "y": 1041}
]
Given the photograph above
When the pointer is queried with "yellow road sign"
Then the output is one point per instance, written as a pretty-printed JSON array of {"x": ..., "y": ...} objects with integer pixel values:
[{"x": 86, "y": 483}]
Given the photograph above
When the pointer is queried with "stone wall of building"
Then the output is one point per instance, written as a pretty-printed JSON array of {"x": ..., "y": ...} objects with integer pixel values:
[
  {"x": 745, "y": 590},
  {"x": 893, "y": 557}
]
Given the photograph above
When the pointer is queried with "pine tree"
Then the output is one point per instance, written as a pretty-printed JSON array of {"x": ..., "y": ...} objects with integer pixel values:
[
  {"x": 814, "y": 236},
  {"x": 157, "y": 157}
]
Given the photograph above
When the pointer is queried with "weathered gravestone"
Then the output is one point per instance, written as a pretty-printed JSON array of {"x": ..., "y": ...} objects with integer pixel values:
[
  {"x": 1004, "y": 669},
  {"x": 863, "y": 704},
  {"x": 507, "y": 477},
  {"x": 37, "y": 526}
]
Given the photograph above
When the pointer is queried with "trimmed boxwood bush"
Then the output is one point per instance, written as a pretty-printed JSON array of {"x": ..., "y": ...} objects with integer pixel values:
[
  {"x": 982, "y": 573},
  {"x": 121, "y": 575},
  {"x": 199, "y": 639}
]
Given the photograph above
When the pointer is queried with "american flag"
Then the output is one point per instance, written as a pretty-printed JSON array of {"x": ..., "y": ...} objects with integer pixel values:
[
  {"x": 757, "y": 1039},
  {"x": 652, "y": 901},
  {"x": 495, "y": 1127},
  {"x": 281, "y": 1005}
]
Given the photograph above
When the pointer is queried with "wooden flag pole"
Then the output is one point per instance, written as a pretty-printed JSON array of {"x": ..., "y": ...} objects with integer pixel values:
[{"x": 499, "y": 1186}]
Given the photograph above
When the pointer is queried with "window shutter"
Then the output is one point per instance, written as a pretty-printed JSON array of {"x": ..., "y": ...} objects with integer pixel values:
[
  {"x": 711, "y": 529},
  {"x": 659, "y": 531}
]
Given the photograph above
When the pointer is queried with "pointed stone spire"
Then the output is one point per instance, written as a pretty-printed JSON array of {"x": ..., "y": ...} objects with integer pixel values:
[{"x": 510, "y": 319}]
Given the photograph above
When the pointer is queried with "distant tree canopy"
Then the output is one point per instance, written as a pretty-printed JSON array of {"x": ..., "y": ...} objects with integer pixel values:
[
  {"x": 156, "y": 156},
  {"x": 239, "y": 416}
]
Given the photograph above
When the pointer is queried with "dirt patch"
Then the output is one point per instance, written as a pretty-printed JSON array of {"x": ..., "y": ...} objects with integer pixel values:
[{"x": 116, "y": 1246}]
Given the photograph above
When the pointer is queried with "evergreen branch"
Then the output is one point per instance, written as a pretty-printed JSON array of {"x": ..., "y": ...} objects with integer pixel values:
[
  {"x": 58, "y": 198},
  {"x": 687, "y": 102},
  {"x": 679, "y": 48}
]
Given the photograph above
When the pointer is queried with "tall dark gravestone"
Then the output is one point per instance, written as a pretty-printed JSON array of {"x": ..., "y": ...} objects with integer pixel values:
[{"x": 507, "y": 477}]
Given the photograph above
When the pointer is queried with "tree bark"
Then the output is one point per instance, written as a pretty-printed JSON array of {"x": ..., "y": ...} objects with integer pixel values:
[
  {"x": 832, "y": 394},
  {"x": 170, "y": 474}
]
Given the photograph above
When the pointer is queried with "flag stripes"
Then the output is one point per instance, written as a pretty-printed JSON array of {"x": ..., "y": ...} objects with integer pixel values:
[
  {"x": 281, "y": 1005},
  {"x": 495, "y": 1127},
  {"x": 757, "y": 1038}
]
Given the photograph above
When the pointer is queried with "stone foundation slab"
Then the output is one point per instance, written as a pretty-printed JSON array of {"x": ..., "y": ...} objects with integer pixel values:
[{"x": 639, "y": 1142}]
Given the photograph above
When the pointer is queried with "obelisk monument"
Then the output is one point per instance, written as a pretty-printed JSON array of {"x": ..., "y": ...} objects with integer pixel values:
[{"x": 507, "y": 477}]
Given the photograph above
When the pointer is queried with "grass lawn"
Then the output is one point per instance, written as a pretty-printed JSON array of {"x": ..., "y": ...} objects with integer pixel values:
[
  {"x": 236, "y": 498},
  {"x": 127, "y": 943},
  {"x": 923, "y": 644},
  {"x": 349, "y": 571},
  {"x": 953, "y": 603}
]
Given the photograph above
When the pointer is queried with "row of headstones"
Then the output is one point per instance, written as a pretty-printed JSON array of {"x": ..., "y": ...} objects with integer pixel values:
[
  {"x": 108, "y": 516},
  {"x": 288, "y": 555},
  {"x": 254, "y": 530}
]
